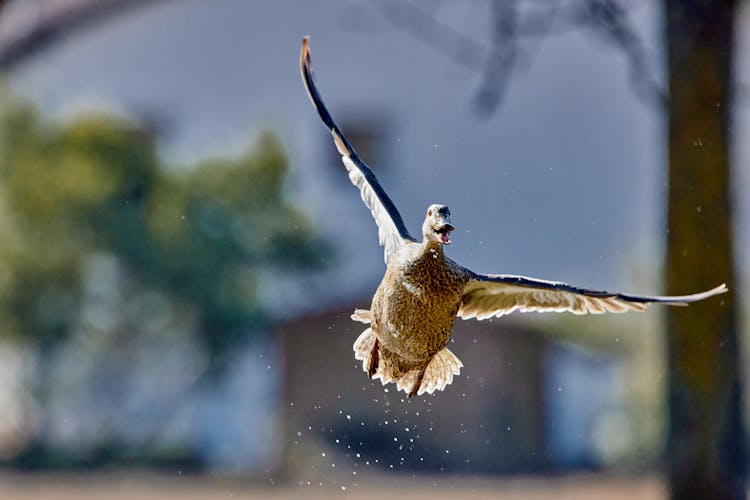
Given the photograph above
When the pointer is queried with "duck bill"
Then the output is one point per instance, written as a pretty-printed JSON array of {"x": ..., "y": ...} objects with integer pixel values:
[{"x": 443, "y": 230}]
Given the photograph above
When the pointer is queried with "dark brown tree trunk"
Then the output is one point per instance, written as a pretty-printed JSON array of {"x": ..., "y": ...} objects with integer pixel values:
[{"x": 706, "y": 442}]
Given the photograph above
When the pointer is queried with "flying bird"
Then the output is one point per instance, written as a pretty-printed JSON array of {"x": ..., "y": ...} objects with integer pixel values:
[{"x": 415, "y": 307}]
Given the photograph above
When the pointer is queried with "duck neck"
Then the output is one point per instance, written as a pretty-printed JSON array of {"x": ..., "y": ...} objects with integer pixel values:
[{"x": 433, "y": 246}]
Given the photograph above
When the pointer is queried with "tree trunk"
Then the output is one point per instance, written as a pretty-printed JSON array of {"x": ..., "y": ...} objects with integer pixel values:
[{"x": 706, "y": 442}]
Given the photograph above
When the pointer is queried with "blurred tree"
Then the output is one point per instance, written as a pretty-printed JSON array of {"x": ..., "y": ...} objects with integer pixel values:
[
  {"x": 706, "y": 439},
  {"x": 37, "y": 24},
  {"x": 202, "y": 238},
  {"x": 203, "y": 235}
]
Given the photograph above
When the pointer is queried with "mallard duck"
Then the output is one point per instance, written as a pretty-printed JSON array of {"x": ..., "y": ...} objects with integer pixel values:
[{"x": 415, "y": 307}]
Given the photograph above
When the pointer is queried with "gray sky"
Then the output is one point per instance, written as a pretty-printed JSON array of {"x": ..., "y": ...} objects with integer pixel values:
[{"x": 565, "y": 181}]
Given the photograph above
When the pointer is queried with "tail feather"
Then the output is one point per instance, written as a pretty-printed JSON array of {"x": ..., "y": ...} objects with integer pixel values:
[
  {"x": 407, "y": 380},
  {"x": 363, "y": 351},
  {"x": 437, "y": 376},
  {"x": 363, "y": 348},
  {"x": 439, "y": 372},
  {"x": 362, "y": 315}
]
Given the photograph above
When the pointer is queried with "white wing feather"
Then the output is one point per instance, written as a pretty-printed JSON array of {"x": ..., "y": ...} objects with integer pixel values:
[
  {"x": 388, "y": 234},
  {"x": 487, "y": 296}
]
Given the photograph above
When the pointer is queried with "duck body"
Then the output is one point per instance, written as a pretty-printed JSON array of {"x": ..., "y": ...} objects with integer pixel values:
[{"x": 414, "y": 308}]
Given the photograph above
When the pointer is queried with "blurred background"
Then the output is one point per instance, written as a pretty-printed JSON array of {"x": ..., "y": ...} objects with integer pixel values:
[{"x": 180, "y": 248}]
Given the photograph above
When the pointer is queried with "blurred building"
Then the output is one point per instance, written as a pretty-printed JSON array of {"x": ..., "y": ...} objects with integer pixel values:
[{"x": 522, "y": 403}]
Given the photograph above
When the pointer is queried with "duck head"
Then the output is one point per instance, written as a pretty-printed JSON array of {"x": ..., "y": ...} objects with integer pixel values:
[{"x": 437, "y": 225}]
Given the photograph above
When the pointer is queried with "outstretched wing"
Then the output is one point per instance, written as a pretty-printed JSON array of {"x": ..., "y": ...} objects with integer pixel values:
[
  {"x": 490, "y": 295},
  {"x": 392, "y": 232}
]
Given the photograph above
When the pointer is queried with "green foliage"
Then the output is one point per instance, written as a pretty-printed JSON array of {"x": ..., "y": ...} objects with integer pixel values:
[{"x": 202, "y": 236}]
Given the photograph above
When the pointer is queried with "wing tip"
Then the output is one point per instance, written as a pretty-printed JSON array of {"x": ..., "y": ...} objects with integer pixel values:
[
  {"x": 710, "y": 293},
  {"x": 723, "y": 288},
  {"x": 304, "y": 54},
  {"x": 687, "y": 299},
  {"x": 305, "y": 65}
]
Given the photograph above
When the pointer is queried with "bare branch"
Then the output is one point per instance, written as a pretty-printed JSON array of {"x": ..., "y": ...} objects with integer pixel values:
[
  {"x": 501, "y": 59},
  {"x": 516, "y": 25},
  {"x": 34, "y": 33},
  {"x": 423, "y": 25},
  {"x": 610, "y": 19}
]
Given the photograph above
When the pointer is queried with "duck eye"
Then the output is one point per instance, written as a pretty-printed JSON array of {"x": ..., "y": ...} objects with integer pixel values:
[{"x": 429, "y": 213}]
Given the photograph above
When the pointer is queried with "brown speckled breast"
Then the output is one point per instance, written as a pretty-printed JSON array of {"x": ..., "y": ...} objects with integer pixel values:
[{"x": 414, "y": 308}]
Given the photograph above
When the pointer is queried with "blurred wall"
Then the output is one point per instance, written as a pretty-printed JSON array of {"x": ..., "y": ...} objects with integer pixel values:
[{"x": 522, "y": 403}]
